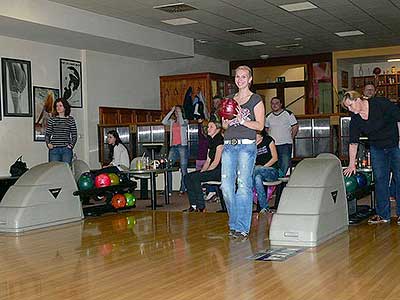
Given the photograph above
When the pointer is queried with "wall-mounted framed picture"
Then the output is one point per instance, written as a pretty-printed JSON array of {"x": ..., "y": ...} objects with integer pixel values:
[
  {"x": 43, "y": 102},
  {"x": 71, "y": 81},
  {"x": 17, "y": 87}
]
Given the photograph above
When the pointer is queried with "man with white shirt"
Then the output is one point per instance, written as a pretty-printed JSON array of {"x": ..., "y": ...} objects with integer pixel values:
[{"x": 282, "y": 125}]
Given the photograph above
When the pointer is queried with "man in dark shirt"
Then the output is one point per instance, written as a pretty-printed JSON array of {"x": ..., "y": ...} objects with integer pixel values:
[
  {"x": 210, "y": 171},
  {"x": 377, "y": 119}
]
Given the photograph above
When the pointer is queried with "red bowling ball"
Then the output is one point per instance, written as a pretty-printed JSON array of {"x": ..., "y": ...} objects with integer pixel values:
[
  {"x": 102, "y": 180},
  {"x": 228, "y": 108}
]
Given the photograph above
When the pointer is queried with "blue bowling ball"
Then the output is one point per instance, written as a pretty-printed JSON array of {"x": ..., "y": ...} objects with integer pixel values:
[{"x": 362, "y": 180}]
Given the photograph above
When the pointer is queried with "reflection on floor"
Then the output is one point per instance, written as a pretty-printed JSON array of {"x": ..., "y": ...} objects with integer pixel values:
[{"x": 175, "y": 255}]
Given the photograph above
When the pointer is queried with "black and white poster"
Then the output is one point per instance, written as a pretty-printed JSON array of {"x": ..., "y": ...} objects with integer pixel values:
[
  {"x": 17, "y": 87},
  {"x": 71, "y": 81}
]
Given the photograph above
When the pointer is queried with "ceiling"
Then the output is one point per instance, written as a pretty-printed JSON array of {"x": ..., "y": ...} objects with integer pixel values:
[{"x": 312, "y": 29}]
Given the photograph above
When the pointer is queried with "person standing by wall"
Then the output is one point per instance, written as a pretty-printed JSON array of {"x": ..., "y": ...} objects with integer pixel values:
[
  {"x": 61, "y": 133},
  {"x": 239, "y": 154},
  {"x": 281, "y": 125},
  {"x": 377, "y": 119},
  {"x": 369, "y": 90},
  {"x": 178, "y": 128}
]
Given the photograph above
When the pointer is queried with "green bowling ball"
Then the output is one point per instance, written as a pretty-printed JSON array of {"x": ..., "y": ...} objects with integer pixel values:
[
  {"x": 114, "y": 178},
  {"x": 350, "y": 183},
  {"x": 130, "y": 199},
  {"x": 85, "y": 182}
]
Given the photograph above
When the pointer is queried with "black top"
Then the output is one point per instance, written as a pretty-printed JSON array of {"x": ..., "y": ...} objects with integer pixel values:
[
  {"x": 213, "y": 143},
  {"x": 237, "y": 131},
  {"x": 264, "y": 154},
  {"x": 381, "y": 126}
]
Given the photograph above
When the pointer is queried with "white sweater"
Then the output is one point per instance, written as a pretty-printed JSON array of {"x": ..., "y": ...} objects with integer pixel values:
[{"x": 120, "y": 157}]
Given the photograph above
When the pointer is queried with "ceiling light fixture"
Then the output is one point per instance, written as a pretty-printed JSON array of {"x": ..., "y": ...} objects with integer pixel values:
[
  {"x": 179, "y": 21},
  {"x": 393, "y": 60},
  {"x": 349, "y": 33},
  {"x": 202, "y": 41},
  {"x": 251, "y": 43},
  {"x": 298, "y": 6}
]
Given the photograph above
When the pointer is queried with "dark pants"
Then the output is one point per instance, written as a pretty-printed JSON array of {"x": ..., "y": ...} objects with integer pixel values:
[{"x": 193, "y": 182}]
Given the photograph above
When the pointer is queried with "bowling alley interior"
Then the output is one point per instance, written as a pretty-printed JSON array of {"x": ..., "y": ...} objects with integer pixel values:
[{"x": 117, "y": 119}]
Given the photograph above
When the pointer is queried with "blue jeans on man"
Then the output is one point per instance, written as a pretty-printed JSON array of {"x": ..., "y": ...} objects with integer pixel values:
[
  {"x": 178, "y": 152},
  {"x": 237, "y": 184},
  {"x": 63, "y": 154},
  {"x": 262, "y": 174},
  {"x": 284, "y": 157},
  {"x": 383, "y": 161}
]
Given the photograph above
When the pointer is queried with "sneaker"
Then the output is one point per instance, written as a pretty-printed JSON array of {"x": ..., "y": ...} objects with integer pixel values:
[
  {"x": 241, "y": 236},
  {"x": 210, "y": 196},
  {"x": 378, "y": 220},
  {"x": 190, "y": 209},
  {"x": 266, "y": 211},
  {"x": 232, "y": 233}
]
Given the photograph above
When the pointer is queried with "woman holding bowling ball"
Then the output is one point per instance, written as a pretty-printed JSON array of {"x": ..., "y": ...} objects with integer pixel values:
[
  {"x": 377, "y": 119},
  {"x": 240, "y": 150}
]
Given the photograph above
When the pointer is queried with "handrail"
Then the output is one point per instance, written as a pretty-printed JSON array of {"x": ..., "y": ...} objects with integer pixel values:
[{"x": 294, "y": 101}]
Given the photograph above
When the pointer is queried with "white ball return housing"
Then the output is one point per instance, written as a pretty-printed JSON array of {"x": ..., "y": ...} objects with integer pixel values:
[
  {"x": 41, "y": 197},
  {"x": 313, "y": 206}
]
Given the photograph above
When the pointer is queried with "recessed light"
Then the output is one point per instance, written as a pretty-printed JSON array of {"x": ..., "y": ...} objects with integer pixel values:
[
  {"x": 202, "y": 41},
  {"x": 179, "y": 21},
  {"x": 251, "y": 43},
  {"x": 298, "y": 39},
  {"x": 393, "y": 59},
  {"x": 264, "y": 56},
  {"x": 298, "y": 6},
  {"x": 349, "y": 33},
  {"x": 289, "y": 46}
]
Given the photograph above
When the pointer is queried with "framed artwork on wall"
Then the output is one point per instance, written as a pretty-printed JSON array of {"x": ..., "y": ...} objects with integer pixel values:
[
  {"x": 17, "y": 87},
  {"x": 71, "y": 81},
  {"x": 43, "y": 102}
]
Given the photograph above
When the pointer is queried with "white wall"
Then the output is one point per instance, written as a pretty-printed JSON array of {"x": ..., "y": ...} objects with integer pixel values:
[
  {"x": 16, "y": 133},
  {"x": 366, "y": 69},
  {"x": 127, "y": 82}
]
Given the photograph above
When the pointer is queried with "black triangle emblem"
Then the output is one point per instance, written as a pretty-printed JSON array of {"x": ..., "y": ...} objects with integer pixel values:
[
  {"x": 334, "y": 196},
  {"x": 55, "y": 192}
]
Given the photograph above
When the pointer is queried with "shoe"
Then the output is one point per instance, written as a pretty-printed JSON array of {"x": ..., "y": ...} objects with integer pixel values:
[
  {"x": 190, "y": 209},
  {"x": 398, "y": 221},
  {"x": 378, "y": 220},
  {"x": 266, "y": 211},
  {"x": 170, "y": 194},
  {"x": 203, "y": 210},
  {"x": 181, "y": 193},
  {"x": 210, "y": 196},
  {"x": 231, "y": 232},
  {"x": 241, "y": 236}
]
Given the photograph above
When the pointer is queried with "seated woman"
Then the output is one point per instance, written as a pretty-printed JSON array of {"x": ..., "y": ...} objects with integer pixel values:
[
  {"x": 118, "y": 155},
  {"x": 266, "y": 168},
  {"x": 211, "y": 169}
]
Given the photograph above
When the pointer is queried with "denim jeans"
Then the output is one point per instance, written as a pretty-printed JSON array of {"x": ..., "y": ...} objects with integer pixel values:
[
  {"x": 384, "y": 160},
  {"x": 263, "y": 174},
  {"x": 237, "y": 184},
  {"x": 284, "y": 156},
  {"x": 63, "y": 154},
  {"x": 178, "y": 152}
]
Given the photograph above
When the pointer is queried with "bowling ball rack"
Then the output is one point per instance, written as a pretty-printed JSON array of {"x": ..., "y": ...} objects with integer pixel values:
[
  {"x": 363, "y": 212},
  {"x": 91, "y": 207}
]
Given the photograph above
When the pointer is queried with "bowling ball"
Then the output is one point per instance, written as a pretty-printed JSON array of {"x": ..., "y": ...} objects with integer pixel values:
[
  {"x": 130, "y": 199},
  {"x": 361, "y": 180},
  {"x": 350, "y": 183},
  {"x": 118, "y": 201},
  {"x": 228, "y": 108},
  {"x": 102, "y": 180},
  {"x": 85, "y": 183},
  {"x": 114, "y": 178},
  {"x": 368, "y": 175}
]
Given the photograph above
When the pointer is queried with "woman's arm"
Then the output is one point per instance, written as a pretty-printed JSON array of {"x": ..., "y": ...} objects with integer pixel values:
[
  {"x": 49, "y": 133},
  {"x": 165, "y": 121},
  {"x": 73, "y": 132},
  {"x": 217, "y": 158},
  {"x": 274, "y": 154},
  {"x": 351, "y": 169},
  {"x": 206, "y": 164}
]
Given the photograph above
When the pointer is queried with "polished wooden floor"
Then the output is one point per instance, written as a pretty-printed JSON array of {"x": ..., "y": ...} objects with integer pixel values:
[{"x": 174, "y": 255}]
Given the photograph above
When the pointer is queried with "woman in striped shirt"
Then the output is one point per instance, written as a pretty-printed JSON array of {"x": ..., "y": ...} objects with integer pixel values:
[{"x": 61, "y": 133}]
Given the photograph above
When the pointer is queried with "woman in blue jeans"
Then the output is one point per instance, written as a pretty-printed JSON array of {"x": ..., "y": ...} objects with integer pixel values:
[
  {"x": 377, "y": 119},
  {"x": 239, "y": 154},
  {"x": 178, "y": 128},
  {"x": 61, "y": 133},
  {"x": 267, "y": 167}
]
